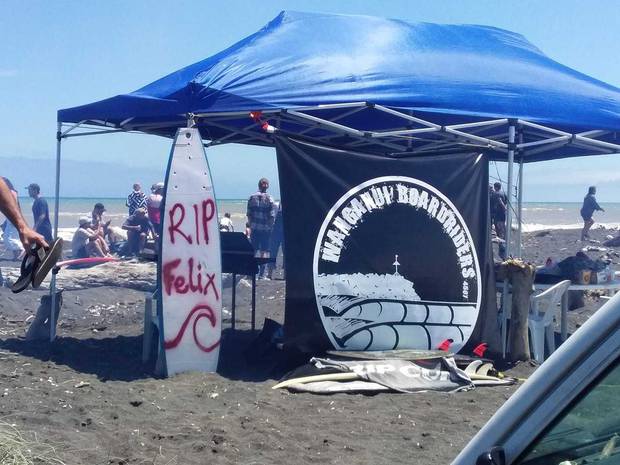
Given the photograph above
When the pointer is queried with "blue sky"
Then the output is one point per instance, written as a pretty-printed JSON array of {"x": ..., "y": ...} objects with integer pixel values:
[{"x": 65, "y": 53}]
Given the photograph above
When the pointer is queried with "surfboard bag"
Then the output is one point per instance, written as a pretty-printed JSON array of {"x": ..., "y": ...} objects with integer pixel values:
[
  {"x": 385, "y": 253},
  {"x": 390, "y": 375}
]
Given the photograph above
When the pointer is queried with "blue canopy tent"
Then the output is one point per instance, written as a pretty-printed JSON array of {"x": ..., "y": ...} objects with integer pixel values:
[
  {"x": 371, "y": 84},
  {"x": 348, "y": 68}
]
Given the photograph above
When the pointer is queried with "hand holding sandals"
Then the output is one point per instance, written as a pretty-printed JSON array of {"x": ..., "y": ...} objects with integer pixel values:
[
  {"x": 40, "y": 256},
  {"x": 30, "y": 238}
]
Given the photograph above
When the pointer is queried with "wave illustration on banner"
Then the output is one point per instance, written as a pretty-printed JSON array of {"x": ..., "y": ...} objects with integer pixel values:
[
  {"x": 378, "y": 239},
  {"x": 374, "y": 311}
]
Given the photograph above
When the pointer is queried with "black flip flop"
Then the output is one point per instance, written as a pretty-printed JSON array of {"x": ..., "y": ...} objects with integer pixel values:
[
  {"x": 48, "y": 258},
  {"x": 36, "y": 265},
  {"x": 26, "y": 272}
]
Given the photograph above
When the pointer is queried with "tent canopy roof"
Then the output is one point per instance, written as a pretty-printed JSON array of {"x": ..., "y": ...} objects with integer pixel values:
[{"x": 410, "y": 81}]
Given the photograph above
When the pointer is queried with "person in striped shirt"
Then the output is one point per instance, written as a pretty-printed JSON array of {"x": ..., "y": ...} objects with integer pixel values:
[
  {"x": 135, "y": 200},
  {"x": 260, "y": 216}
]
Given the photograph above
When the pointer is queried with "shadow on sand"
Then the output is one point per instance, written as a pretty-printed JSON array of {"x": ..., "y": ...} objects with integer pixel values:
[
  {"x": 244, "y": 355},
  {"x": 110, "y": 359}
]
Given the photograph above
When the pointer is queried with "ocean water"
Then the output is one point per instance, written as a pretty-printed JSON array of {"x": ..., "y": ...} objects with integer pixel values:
[
  {"x": 72, "y": 208},
  {"x": 564, "y": 215},
  {"x": 536, "y": 215}
]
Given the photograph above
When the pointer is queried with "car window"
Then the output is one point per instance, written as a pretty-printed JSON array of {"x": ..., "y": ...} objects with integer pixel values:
[{"x": 587, "y": 431}]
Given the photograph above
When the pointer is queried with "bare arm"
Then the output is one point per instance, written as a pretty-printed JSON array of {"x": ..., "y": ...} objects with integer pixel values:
[{"x": 9, "y": 207}]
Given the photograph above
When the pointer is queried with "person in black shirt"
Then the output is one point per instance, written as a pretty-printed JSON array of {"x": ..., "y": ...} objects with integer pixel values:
[
  {"x": 138, "y": 227},
  {"x": 41, "y": 213},
  {"x": 590, "y": 205}
]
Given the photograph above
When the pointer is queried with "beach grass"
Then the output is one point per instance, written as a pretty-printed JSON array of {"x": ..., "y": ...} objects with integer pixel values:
[{"x": 17, "y": 449}]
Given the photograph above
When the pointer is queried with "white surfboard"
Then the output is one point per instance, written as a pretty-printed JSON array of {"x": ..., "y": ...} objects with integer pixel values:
[{"x": 190, "y": 263}]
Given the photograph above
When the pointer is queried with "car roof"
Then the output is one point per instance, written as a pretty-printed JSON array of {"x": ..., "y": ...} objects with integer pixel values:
[{"x": 551, "y": 388}]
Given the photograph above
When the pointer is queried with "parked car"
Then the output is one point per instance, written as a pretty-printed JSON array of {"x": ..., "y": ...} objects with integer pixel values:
[{"x": 568, "y": 412}]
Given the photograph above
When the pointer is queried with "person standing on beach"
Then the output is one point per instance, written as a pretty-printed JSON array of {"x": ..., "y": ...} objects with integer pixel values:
[
  {"x": 590, "y": 205},
  {"x": 10, "y": 209},
  {"x": 499, "y": 203},
  {"x": 41, "y": 212},
  {"x": 153, "y": 204},
  {"x": 260, "y": 216},
  {"x": 135, "y": 200}
]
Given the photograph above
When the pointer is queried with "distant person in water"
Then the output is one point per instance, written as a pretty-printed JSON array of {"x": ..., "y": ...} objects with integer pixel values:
[
  {"x": 590, "y": 205},
  {"x": 498, "y": 207},
  {"x": 41, "y": 212},
  {"x": 11, "y": 235},
  {"x": 226, "y": 224},
  {"x": 135, "y": 200}
]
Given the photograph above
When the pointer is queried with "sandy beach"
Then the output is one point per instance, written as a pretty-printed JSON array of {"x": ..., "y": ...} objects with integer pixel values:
[{"x": 91, "y": 398}]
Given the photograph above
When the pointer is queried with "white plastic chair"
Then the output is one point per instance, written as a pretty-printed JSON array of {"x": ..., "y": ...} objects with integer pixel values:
[{"x": 543, "y": 308}]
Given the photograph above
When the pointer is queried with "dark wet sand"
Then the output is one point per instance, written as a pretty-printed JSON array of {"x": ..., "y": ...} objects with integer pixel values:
[{"x": 121, "y": 414}]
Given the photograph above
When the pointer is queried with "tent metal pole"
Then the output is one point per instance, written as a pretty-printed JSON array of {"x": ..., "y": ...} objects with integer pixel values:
[
  {"x": 509, "y": 186},
  {"x": 511, "y": 155},
  {"x": 326, "y": 123},
  {"x": 520, "y": 202},
  {"x": 599, "y": 143},
  {"x": 493, "y": 122},
  {"x": 519, "y": 209},
  {"x": 74, "y": 126},
  {"x": 407, "y": 117},
  {"x": 543, "y": 128},
  {"x": 56, "y": 210}
]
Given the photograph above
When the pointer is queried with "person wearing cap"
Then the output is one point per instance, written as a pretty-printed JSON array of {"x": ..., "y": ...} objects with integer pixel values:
[
  {"x": 86, "y": 242},
  {"x": 10, "y": 208},
  {"x": 41, "y": 212},
  {"x": 138, "y": 228}
]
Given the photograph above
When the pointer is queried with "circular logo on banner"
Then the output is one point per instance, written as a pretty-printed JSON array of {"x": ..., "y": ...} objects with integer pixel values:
[{"x": 395, "y": 267}]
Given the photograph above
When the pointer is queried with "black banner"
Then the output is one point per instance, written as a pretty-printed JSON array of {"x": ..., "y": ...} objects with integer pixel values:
[{"x": 384, "y": 253}]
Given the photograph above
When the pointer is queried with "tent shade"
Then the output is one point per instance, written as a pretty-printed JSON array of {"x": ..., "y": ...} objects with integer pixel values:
[{"x": 445, "y": 74}]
